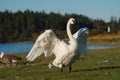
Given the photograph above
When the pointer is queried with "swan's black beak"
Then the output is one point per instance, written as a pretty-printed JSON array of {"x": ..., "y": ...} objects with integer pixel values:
[{"x": 73, "y": 21}]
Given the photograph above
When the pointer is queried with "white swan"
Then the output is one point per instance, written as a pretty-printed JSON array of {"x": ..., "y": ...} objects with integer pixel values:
[{"x": 48, "y": 43}]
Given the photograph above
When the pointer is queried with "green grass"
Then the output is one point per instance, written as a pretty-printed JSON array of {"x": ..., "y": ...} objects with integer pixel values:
[{"x": 99, "y": 65}]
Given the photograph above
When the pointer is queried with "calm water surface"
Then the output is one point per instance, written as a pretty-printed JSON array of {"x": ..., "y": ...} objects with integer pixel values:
[
  {"x": 16, "y": 47},
  {"x": 26, "y": 47}
]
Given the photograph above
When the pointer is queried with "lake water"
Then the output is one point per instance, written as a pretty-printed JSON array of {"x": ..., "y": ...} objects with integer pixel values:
[
  {"x": 15, "y": 47},
  {"x": 26, "y": 47}
]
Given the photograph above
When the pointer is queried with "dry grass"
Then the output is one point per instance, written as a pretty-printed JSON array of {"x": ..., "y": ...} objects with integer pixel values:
[
  {"x": 105, "y": 36},
  {"x": 107, "y": 39}
]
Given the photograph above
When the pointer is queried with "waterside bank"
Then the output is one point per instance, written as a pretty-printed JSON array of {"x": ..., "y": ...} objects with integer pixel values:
[{"x": 107, "y": 39}]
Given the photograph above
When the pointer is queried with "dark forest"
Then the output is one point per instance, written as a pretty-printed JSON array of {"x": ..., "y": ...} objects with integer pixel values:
[{"x": 26, "y": 26}]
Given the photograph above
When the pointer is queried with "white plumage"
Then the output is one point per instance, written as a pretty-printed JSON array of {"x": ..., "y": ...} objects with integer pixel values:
[
  {"x": 81, "y": 36},
  {"x": 65, "y": 53}
]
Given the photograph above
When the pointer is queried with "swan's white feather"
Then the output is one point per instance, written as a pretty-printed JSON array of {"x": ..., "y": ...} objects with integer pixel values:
[
  {"x": 81, "y": 36},
  {"x": 42, "y": 45}
]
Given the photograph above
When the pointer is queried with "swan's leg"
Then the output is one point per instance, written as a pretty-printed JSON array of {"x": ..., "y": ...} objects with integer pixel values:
[
  {"x": 61, "y": 70},
  {"x": 70, "y": 69}
]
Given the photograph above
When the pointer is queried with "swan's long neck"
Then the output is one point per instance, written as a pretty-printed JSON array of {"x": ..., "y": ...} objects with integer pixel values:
[{"x": 73, "y": 42}]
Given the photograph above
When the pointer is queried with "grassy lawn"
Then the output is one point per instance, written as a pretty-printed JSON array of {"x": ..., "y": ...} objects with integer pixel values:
[{"x": 99, "y": 65}]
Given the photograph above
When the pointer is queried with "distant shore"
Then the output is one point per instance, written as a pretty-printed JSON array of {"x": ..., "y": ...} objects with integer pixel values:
[{"x": 108, "y": 39}]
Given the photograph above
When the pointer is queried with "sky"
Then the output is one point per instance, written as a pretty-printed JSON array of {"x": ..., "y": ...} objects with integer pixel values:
[{"x": 102, "y": 9}]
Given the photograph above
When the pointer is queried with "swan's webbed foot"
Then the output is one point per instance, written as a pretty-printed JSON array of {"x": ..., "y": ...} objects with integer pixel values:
[{"x": 50, "y": 65}]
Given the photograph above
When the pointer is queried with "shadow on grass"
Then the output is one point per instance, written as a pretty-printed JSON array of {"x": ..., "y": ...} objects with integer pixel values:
[{"x": 98, "y": 68}]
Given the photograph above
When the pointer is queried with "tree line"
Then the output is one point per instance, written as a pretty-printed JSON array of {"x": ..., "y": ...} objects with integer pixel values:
[{"x": 27, "y": 25}]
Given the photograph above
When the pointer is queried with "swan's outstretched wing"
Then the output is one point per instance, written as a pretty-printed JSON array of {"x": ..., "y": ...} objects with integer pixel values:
[
  {"x": 81, "y": 36},
  {"x": 43, "y": 44}
]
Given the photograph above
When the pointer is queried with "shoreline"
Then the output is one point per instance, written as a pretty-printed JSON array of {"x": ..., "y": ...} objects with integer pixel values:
[
  {"x": 106, "y": 39},
  {"x": 104, "y": 43}
]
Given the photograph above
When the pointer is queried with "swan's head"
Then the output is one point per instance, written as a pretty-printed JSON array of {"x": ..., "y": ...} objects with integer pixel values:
[{"x": 71, "y": 21}]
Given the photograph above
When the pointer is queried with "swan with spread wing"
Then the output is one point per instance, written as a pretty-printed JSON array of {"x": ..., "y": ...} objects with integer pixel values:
[{"x": 48, "y": 43}]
